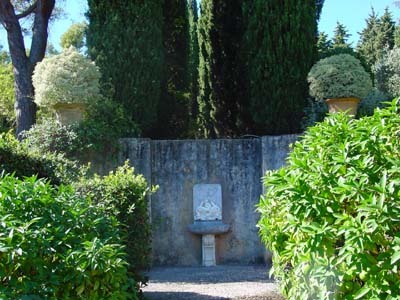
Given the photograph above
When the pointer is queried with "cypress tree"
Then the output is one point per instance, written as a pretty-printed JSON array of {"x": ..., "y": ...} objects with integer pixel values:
[
  {"x": 125, "y": 39},
  {"x": 193, "y": 61},
  {"x": 174, "y": 106},
  {"x": 281, "y": 35},
  {"x": 221, "y": 81},
  {"x": 319, "y": 4},
  {"x": 206, "y": 52}
]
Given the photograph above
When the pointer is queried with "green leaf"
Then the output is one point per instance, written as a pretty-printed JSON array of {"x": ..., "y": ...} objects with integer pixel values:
[
  {"x": 362, "y": 292},
  {"x": 395, "y": 257}
]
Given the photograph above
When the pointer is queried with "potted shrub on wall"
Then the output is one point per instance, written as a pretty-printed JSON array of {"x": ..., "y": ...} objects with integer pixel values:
[
  {"x": 341, "y": 80},
  {"x": 66, "y": 83}
]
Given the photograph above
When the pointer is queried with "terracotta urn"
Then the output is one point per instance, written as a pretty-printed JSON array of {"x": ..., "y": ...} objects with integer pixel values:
[
  {"x": 348, "y": 105},
  {"x": 69, "y": 113}
]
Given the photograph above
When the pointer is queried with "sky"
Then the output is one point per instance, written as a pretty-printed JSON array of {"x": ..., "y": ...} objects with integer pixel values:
[{"x": 351, "y": 13}]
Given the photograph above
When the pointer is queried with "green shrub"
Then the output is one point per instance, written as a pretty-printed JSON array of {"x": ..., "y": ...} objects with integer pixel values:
[
  {"x": 125, "y": 195},
  {"x": 314, "y": 112},
  {"x": 17, "y": 158},
  {"x": 339, "y": 76},
  {"x": 331, "y": 216},
  {"x": 55, "y": 245},
  {"x": 375, "y": 99},
  {"x": 51, "y": 136},
  {"x": 104, "y": 124}
]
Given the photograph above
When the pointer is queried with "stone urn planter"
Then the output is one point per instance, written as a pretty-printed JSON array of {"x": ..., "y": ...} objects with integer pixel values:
[
  {"x": 66, "y": 83},
  {"x": 348, "y": 105},
  {"x": 69, "y": 113}
]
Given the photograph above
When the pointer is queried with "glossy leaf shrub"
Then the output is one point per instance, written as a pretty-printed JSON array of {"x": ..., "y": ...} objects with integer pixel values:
[
  {"x": 124, "y": 194},
  {"x": 56, "y": 245},
  {"x": 332, "y": 216}
]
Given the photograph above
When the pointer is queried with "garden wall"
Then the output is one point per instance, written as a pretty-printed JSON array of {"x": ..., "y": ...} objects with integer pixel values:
[{"x": 176, "y": 166}]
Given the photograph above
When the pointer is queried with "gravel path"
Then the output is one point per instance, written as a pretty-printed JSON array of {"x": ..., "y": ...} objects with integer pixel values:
[{"x": 211, "y": 283}]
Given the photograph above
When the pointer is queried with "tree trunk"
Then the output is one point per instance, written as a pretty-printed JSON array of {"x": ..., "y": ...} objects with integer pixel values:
[{"x": 22, "y": 64}]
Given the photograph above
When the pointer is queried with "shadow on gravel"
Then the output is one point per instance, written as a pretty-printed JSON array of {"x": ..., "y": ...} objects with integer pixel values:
[
  {"x": 204, "y": 275},
  {"x": 179, "y": 296}
]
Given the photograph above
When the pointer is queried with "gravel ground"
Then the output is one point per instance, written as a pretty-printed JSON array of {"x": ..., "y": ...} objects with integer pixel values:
[{"x": 211, "y": 283}]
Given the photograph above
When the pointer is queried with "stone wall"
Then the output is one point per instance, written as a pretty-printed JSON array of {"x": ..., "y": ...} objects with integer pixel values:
[{"x": 176, "y": 166}]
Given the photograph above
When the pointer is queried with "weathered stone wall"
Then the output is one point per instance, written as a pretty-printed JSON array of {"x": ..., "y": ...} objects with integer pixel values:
[{"x": 176, "y": 166}]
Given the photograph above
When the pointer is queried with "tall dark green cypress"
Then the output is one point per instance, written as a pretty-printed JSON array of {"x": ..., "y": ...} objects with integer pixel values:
[
  {"x": 193, "y": 62},
  {"x": 281, "y": 36},
  {"x": 221, "y": 81},
  {"x": 125, "y": 39},
  {"x": 174, "y": 106},
  {"x": 206, "y": 52}
]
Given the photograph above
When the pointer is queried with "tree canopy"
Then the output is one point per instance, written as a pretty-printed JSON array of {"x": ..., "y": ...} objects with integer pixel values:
[{"x": 11, "y": 15}]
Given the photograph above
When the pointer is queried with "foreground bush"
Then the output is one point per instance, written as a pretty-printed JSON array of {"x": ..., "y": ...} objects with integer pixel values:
[
  {"x": 125, "y": 195},
  {"x": 18, "y": 159},
  {"x": 332, "y": 216},
  {"x": 55, "y": 245}
]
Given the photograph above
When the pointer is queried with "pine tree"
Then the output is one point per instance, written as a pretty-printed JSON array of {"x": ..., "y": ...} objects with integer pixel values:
[
  {"x": 125, "y": 40},
  {"x": 221, "y": 81},
  {"x": 367, "y": 46},
  {"x": 397, "y": 36},
  {"x": 174, "y": 106},
  {"x": 281, "y": 37},
  {"x": 387, "y": 28},
  {"x": 324, "y": 45},
  {"x": 377, "y": 37},
  {"x": 340, "y": 36}
]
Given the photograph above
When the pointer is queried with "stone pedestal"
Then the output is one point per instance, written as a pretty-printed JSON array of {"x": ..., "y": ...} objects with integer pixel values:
[
  {"x": 207, "y": 214},
  {"x": 208, "y": 253}
]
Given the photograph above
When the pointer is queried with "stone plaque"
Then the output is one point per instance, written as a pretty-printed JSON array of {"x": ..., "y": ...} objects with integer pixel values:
[{"x": 207, "y": 202}]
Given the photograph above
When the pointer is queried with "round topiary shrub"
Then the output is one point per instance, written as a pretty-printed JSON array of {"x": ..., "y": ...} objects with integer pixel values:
[
  {"x": 55, "y": 245},
  {"x": 66, "y": 78},
  {"x": 331, "y": 217},
  {"x": 339, "y": 76}
]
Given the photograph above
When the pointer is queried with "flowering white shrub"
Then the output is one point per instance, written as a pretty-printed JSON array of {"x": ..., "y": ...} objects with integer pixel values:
[
  {"x": 66, "y": 78},
  {"x": 387, "y": 73},
  {"x": 339, "y": 76}
]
